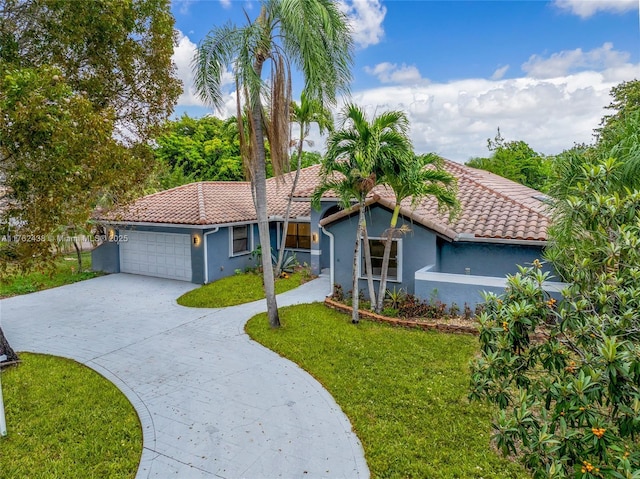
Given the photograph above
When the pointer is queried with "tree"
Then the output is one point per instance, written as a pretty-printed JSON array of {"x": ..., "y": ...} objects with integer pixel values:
[
  {"x": 570, "y": 403},
  {"x": 203, "y": 149},
  {"x": 117, "y": 52},
  {"x": 304, "y": 114},
  {"x": 5, "y": 349},
  {"x": 414, "y": 177},
  {"x": 84, "y": 87},
  {"x": 617, "y": 137},
  {"x": 58, "y": 157},
  {"x": 626, "y": 101},
  {"x": 517, "y": 161},
  {"x": 309, "y": 34},
  {"x": 352, "y": 167},
  {"x": 619, "y": 132}
]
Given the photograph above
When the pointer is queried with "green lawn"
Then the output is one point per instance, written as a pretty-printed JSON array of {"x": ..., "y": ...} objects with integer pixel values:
[
  {"x": 237, "y": 289},
  {"x": 65, "y": 272},
  {"x": 405, "y": 392},
  {"x": 66, "y": 421}
]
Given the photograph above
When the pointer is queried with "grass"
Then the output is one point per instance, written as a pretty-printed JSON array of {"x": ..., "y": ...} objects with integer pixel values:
[
  {"x": 405, "y": 392},
  {"x": 65, "y": 420},
  {"x": 65, "y": 272},
  {"x": 237, "y": 289}
]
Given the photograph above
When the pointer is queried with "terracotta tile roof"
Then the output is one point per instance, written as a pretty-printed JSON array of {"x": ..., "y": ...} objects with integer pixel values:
[
  {"x": 492, "y": 206},
  {"x": 212, "y": 202}
]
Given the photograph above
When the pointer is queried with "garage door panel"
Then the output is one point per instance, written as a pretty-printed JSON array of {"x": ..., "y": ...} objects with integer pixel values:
[{"x": 166, "y": 255}]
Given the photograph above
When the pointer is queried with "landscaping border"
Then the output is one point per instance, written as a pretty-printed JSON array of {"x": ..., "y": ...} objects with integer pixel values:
[{"x": 424, "y": 324}]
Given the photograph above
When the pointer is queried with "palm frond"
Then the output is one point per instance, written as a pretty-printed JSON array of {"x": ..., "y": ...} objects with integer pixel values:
[{"x": 210, "y": 61}]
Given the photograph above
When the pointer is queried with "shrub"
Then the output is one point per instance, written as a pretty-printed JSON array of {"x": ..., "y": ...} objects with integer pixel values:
[{"x": 570, "y": 405}]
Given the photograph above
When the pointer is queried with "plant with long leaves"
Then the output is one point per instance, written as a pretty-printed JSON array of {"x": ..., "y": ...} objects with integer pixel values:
[
  {"x": 352, "y": 168},
  {"x": 311, "y": 35},
  {"x": 414, "y": 177}
]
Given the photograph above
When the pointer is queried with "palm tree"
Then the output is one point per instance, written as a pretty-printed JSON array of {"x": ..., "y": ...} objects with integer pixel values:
[
  {"x": 414, "y": 177},
  {"x": 310, "y": 34},
  {"x": 307, "y": 112},
  {"x": 351, "y": 168}
]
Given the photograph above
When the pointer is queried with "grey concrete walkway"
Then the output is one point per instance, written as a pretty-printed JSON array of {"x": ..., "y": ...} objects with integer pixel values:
[{"x": 212, "y": 402}]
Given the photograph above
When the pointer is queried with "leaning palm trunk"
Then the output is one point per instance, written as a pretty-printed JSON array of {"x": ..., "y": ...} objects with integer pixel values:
[
  {"x": 385, "y": 258},
  {"x": 367, "y": 258},
  {"x": 285, "y": 225}
]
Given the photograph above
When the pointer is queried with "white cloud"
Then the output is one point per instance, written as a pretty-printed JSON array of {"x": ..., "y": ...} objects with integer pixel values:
[
  {"x": 568, "y": 61},
  {"x": 225, "y": 3},
  {"x": 392, "y": 73},
  {"x": 365, "y": 19},
  {"x": 455, "y": 119},
  {"x": 184, "y": 5},
  {"x": 588, "y": 8},
  {"x": 182, "y": 57},
  {"x": 499, "y": 73}
]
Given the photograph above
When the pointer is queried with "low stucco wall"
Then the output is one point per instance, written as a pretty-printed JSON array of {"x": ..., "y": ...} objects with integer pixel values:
[
  {"x": 465, "y": 288},
  {"x": 106, "y": 258}
]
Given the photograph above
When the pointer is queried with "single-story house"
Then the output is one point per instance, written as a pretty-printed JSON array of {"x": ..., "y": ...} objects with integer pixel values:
[{"x": 204, "y": 231}]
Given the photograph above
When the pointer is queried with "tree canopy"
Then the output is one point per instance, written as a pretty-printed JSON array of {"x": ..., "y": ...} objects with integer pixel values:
[
  {"x": 84, "y": 86},
  {"x": 517, "y": 161},
  {"x": 203, "y": 149}
]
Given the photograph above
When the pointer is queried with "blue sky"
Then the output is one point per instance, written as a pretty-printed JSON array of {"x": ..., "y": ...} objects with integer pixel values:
[{"x": 539, "y": 70}]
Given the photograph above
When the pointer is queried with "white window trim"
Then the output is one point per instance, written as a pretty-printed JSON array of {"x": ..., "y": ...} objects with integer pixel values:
[
  {"x": 398, "y": 278},
  {"x": 249, "y": 240}
]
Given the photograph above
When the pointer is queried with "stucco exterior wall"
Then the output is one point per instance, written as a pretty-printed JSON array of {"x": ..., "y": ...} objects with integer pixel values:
[
  {"x": 464, "y": 289},
  {"x": 418, "y": 248},
  {"x": 219, "y": 261},
  {"x": 484, "y": 259},
  {"x": 106, "y": 258}
]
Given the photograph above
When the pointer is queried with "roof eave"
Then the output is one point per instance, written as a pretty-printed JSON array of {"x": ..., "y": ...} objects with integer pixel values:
[{"x": 469, "y": 238}]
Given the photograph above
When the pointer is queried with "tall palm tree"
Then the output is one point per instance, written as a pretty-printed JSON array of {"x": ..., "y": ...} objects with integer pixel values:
[
  {"x": 351, "y": 168},
  {"x": 307, "y": 112},
  {"x": 414, "y": 177},
  {"x": 311, "y": 35}
]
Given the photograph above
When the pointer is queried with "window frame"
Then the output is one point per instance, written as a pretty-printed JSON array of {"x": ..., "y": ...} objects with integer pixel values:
[
  {"x": 249, "y": 238},
  {"x": 281, "y": 232},
  {"x": 390, "y": 279}
]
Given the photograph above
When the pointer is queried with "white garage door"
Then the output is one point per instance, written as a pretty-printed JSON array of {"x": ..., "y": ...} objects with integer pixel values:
[{"x": 165, "y": 255}]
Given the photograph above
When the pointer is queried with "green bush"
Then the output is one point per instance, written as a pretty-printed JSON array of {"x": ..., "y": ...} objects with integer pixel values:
[{"x": 570, "y": 404}]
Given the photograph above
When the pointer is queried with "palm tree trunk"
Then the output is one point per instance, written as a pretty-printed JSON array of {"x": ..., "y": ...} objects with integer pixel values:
[
  {"x": 355, "y": 294},
  {"x": 385, "y": 259},
  {"x": 367, "y": 259},
  {"x": 259, "y": 183},
  {"x": 285, "y": 225}
]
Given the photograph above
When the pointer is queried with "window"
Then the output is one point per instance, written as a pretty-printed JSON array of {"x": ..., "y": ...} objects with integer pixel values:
[
  {"x": 298, "y": 236},
  {"x": 377, "y": 253},
  {"x": 240, "y": 240}
]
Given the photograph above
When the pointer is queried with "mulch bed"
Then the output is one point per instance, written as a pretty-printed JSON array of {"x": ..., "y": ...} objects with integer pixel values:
[{"x": 453, "y": 325}]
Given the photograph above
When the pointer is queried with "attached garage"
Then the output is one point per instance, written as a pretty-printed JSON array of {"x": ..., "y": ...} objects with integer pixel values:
[{"x": 165, "y": 255}]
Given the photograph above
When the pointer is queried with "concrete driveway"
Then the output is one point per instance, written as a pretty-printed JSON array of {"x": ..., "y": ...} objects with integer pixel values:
[{"x": 212, "y": 402}]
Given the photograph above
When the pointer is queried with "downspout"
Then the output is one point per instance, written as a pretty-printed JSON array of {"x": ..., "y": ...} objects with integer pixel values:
[
  {"x": 331, "y": 258},
  {"x": 206, "y": 257}
]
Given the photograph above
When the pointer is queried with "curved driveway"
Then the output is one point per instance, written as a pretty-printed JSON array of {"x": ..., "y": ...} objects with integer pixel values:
[{"x": 212, "y": 402}]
